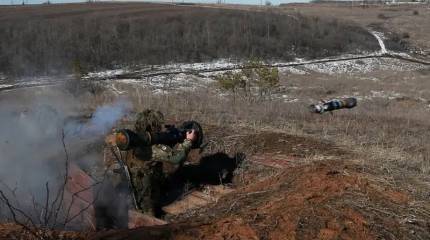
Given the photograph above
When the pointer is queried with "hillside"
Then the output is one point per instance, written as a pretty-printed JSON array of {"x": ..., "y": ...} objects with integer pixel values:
[{"x": 71, "y": 38}]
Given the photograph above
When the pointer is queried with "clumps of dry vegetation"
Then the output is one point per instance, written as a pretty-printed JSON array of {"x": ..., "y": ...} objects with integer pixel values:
[
  {"x": 397, "y": 42},
  {"x": 373, "y": 182},
  {"x": 51, "y": 39},
  {"x": 384, "y": 141},
  {"x": 390, "y": 135}
]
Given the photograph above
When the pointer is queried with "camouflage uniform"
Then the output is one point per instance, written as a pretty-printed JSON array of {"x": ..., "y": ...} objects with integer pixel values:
[
  {"x": 148, "y": 164},
  {"x": 147, "y": 170}
]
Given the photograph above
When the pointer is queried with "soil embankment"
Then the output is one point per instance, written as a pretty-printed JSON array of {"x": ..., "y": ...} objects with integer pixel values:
[{"x": 299, "y": 198}]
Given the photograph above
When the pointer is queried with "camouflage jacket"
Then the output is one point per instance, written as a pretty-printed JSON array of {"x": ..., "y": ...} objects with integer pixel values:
[{"x": 147, "y": 156}]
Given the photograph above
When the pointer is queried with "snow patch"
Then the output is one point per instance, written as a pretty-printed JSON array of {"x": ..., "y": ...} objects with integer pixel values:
[
  {"x": 293, "y": 70},
  {"x": 362, "y": 66},
  {"x": 106, "y": 74},
  {"x": 382, "y": 94},
  {"x": 379, "y": 36},
  {"x": 2, "y": 86}
]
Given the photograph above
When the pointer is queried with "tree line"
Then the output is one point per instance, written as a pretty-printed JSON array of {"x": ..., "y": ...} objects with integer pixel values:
[{"x": 46, "y": 45}]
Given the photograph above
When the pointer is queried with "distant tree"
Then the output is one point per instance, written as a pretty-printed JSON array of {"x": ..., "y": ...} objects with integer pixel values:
[
  {"x": 232, "y": 82},
  {"x": 268, "y": 79},
  {"x": 254, "y": 73}
]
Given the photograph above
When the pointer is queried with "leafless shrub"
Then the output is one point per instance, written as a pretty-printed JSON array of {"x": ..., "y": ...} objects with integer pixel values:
[
  {"x": 397, "y": 42},
  {"x": 45, "y": 220}
]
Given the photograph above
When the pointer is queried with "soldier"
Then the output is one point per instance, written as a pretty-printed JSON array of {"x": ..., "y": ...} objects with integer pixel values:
[{"x": 145, "y": 162}]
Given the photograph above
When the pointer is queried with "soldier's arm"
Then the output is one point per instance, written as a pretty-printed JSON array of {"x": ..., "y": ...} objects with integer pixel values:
[{"x": 180, "y": 152}]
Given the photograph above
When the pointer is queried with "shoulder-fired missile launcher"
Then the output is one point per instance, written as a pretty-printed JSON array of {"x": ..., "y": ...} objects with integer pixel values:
[{"x": 127, "y": 139}]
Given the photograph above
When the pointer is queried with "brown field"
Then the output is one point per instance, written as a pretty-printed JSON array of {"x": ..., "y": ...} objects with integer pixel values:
[
  {"x": 360, "y": 174},
  {"x": 356, "y": 174},
  {"x": 409, "y": 20},
  {"x": 405, "y": 20},
  {"x": 77, "y": 38}
]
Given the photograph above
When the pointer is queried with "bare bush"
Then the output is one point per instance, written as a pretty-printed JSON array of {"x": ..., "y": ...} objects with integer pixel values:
[
  {"x": 397, "y": 42},
  {"x": 46, "y": 219}
]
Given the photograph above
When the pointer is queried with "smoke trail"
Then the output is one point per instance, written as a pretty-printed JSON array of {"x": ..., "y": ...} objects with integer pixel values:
[
  {"x": 101, "y": 121},
  {"x": 106, "y": 116},
  {"x": 31, "y": 149}
]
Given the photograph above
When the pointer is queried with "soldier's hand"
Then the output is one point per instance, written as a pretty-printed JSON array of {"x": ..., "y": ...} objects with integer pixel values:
[{"x": 192, "y": 135}]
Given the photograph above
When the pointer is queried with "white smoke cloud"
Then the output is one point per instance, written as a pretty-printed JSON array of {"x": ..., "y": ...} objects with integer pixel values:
[
  {"x": 101, "y": 121},
  {"x": 31, "y": 146}
]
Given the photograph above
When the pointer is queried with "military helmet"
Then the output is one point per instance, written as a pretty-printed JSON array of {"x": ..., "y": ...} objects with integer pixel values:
[
  {"x": 188, "y": 125},
  {"x": 149, "y": 121}
]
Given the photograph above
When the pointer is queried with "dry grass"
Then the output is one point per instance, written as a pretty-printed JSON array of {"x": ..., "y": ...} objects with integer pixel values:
[
  {"x": 400, "y": 19},
  {"x": 76, "y": 38},
  {"x": 408, "y": 22},
  {"x": 387, "y": 139},
  {"x": 389, "y": 133}
]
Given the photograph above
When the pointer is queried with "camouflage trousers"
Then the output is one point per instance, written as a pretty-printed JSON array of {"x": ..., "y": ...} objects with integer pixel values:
[{"x": 147, "y": 183}]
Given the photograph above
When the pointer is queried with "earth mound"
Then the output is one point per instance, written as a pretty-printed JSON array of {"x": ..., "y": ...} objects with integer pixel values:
[{"x": 297, "y": 188}]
